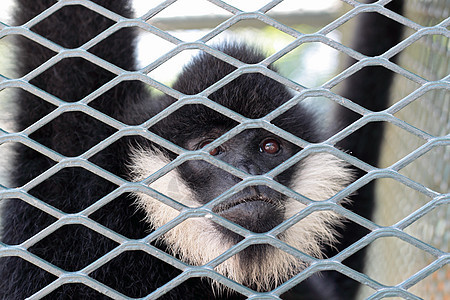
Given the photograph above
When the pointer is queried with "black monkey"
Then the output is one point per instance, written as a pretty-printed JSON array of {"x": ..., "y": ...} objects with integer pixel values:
[{"x": 197, "y": 240}]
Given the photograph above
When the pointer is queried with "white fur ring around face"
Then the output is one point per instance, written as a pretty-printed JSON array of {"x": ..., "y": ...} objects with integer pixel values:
[{"x": 197, "y": 241}]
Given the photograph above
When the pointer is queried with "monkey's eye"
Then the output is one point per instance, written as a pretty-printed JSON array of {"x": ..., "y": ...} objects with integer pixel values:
[
  {"x": 270, "y": 146},
  {"x": 214, "y": 151}
]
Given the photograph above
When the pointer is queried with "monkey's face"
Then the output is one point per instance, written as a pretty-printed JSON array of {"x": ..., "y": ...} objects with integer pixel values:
[
  {"x": 256, "y": 152},
  {"x": 258, "y": 208}
]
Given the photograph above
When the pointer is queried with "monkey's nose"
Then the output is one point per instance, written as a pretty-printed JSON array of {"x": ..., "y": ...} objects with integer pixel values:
[{"x": 249, "y": 167}]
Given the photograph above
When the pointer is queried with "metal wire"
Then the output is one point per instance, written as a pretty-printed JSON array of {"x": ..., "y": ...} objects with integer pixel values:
[{"x": 335, "y": 263}]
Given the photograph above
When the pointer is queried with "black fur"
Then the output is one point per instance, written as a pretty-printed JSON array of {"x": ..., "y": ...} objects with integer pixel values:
[
  {"x": 251, "y": 95},
  {"x": 72, "y": 247}
]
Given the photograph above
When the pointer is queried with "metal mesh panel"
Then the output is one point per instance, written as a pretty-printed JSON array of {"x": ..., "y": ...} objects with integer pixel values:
[
  {"x": 392, "y": 261},
  {"x": 434, "y": 86}
]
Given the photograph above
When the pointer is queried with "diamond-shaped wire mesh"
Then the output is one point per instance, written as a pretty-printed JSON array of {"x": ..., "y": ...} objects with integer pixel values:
[
  {"x": 392, "y": 261},
  {"x": 424, "y": 81}
]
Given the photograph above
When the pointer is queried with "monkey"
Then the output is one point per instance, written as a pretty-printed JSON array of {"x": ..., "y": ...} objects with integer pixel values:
[
  {"x": 72, "y": 190},
  {"x": 254, "y": 151}
]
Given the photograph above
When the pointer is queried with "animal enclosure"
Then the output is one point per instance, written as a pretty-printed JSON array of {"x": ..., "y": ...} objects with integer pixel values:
[{"x": 407, "y": 242}]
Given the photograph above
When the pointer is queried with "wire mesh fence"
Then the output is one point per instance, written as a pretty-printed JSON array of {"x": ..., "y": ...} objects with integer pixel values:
[
  {"x": 428, "y": 81},
  {"x": 393, "y": 261}
]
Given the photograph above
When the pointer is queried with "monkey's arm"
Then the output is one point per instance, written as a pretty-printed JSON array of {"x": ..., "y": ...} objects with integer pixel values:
[{"x": 71, "y": 133}]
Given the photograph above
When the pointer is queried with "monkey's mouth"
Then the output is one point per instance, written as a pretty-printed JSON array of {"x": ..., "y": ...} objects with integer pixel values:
[
  {"x": 258, "y": 213},
  {"x": 227, "y": 205}
]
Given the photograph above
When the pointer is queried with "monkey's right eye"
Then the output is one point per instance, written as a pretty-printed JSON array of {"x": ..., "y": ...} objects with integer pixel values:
[
  {"x": 270, "y": 146},
  {"x": 212, "y": 152}
]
